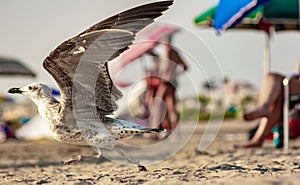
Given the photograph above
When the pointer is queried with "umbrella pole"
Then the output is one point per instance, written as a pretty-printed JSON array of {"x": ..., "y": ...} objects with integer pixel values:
[{"x": 267, "y": 55}]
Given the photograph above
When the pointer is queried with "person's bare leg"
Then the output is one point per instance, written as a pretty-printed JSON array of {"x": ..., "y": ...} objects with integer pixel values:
[
  {"x": 166, "y": 122},
  {"x": 149, "y": 95},
  {"x": 271, "y": 89},
  {"x": 157, "y": 108},
  {"x": 275, "y": 117},
  {"x": 266, "y": 125},
  {"x": 171, "y": 108},
  {"x": 173, "y": 114}
]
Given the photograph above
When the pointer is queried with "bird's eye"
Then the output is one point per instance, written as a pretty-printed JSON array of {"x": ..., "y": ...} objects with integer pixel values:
[{"x": 30, "y": 88}]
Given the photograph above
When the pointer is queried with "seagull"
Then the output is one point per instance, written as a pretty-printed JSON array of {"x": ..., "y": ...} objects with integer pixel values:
[{"x": 79, "y": 66}]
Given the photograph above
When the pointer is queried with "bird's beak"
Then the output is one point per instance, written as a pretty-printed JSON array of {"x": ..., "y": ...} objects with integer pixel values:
[{"x": 15, "y": 90}]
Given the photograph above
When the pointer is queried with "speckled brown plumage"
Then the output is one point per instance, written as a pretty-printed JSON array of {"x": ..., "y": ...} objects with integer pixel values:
[{"x": 88, "y": 95}]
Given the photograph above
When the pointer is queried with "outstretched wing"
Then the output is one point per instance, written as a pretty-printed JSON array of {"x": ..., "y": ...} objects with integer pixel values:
[{"x": 94, "y": 48}]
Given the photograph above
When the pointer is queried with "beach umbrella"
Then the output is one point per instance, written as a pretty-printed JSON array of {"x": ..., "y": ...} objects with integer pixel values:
[
  {"x": 251, "y": 21},
  {"x": 281, "y": 14},
  {"x": 146, "y": 40},
  {"x": 230, "y": 13},
  {"x": 10, "y": 66},
  {"x": 263, "y": 15}
]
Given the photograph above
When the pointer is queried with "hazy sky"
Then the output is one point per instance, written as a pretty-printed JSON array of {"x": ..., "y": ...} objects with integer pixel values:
[{"x": 31, "y": 29}]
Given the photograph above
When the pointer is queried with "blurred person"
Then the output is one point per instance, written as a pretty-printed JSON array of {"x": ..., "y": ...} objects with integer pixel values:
[
  {"x": 152, "y": 79},
  {"x": 269, "y": 107},
  {"x": 164, "y": 98}
]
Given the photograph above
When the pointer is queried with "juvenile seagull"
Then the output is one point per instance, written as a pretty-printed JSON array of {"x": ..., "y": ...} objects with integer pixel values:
[{"x": 88, "y": 95}]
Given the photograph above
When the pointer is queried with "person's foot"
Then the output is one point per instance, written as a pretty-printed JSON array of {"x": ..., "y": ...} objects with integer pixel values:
[{"x": 257, "y": 113}]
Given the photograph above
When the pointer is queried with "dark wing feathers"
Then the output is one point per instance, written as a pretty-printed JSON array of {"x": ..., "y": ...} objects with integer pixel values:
[
  {"x": 97, "y": 45},
  {"x": 93, "y": 50},
  {"x": 147, "y": 11}
]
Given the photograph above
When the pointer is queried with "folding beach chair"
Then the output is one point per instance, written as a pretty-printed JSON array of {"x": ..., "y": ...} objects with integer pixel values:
[{"x": 286, "y": 106}]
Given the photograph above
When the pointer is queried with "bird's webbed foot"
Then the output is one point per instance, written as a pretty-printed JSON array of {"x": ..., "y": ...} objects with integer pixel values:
[{"x": 73, "y": 160}]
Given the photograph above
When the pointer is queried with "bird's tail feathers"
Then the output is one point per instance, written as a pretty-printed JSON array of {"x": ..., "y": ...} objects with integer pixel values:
[
  {"x": 127, "y": 128},
  {"x": 154, "y": 130}
]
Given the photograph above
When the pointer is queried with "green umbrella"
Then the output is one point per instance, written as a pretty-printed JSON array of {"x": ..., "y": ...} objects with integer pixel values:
[
  {"x": 283, "y": 14},
  {"x": 206, "y": 18}
]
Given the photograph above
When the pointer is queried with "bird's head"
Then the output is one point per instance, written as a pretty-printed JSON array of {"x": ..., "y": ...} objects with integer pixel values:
[{"x": 34, "y": 91}]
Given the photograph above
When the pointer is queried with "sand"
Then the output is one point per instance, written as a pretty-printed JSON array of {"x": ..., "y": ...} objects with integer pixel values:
[{"x": 40, "y": 163}]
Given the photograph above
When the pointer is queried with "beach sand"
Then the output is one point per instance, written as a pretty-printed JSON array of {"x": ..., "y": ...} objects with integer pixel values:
[{"x": 39, "y": 163}]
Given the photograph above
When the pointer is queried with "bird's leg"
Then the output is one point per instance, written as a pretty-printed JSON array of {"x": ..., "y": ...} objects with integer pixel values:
[
  {"x": 82, "y": 157},
  {"x": 120, "y": 152}
]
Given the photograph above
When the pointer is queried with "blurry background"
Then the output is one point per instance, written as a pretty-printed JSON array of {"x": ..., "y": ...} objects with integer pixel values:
[{"x": 31, "y": 29}]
